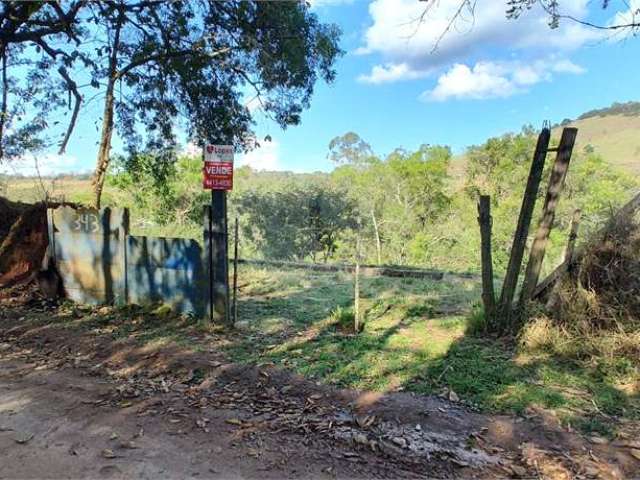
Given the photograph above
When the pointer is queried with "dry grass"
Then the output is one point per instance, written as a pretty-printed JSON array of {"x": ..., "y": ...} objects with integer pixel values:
[{"x": 596, "y": 312}]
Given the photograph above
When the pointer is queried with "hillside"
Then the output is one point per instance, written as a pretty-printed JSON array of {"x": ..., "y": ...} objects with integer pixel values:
[
  {"x": 615, "y": 137},
  {"x": 612, "y": 132}
]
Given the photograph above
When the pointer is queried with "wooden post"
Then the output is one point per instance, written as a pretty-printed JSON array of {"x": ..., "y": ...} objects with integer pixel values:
[
  {"x": 208, "y": 261},
  {"x": 573, "y": 236},
  {"x": 219, "y": 257},
  {"x": 235, "y": 272},
  {"x": 356, "y": 289},
  {"x": 522, "y": 230},
  {"x": 488, "y": 295},
  {"x": 554, "y": 296},
  {"x": 556, "y": 184}
]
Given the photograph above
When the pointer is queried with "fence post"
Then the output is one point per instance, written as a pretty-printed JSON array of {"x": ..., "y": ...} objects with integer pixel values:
[
  {"x": 123, "y": 233},
  {"x": 566, "y": 266},
  {"x": 573, "y": 236},
  {"x": 522, "y": 230},
  {"x": 219, "y": 259},
  {"x": 235, "y": 272},
  {"x": 208, "y": 259},
  {"x": 488, "y": 294},
  {"x": 556, "y": 184}
]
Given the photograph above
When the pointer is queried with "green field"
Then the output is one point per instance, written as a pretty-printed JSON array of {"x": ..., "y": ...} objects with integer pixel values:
[{"x": 416, "y": 338}]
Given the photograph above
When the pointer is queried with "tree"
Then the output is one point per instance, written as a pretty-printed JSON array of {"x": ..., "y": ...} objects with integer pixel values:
[
  {"x": 297, "y": 222},
  {"x": 514, "y": 9},
  {"x": 195, "y": 60},
  {"x": 350, "y": 149},
  {"x": 167, "y": 67},
  {"x": 25, "y": 107}
]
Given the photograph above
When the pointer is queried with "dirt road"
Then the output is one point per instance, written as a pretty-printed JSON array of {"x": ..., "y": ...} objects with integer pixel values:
[
  {"x": 77, "y": 403},
  {"x": 53, "y": 424}
]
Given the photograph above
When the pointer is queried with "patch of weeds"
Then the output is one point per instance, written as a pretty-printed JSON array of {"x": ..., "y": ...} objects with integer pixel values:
[
  {"x": 419, "y": 310},
  {"x": 594, "y": 426},
  {"x": 476, "y": 320}
]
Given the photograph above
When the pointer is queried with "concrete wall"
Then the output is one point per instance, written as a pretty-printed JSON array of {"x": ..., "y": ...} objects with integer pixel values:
[{"x": 100, "y": 263}]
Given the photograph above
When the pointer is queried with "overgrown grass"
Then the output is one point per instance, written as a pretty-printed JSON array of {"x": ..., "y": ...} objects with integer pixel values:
[
  {"x": 416, "y": 337},
  {"x": 419, "y": 335}
]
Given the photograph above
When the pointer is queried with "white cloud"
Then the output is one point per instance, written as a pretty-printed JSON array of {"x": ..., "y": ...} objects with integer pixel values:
[
  {"x": 495, "y": 79},
  {"x": 265, "y": 157},
  {"x": 484, "y": 80},
  {"x": 45, "y": 164},
  {"x": 327, "y": 3},
  {"x": 410, "y": 48},
  {"x": 392, "y": 72}
]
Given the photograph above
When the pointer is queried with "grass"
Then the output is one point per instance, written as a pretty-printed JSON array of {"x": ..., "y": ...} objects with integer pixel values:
[{"x": 415, "y": 338}]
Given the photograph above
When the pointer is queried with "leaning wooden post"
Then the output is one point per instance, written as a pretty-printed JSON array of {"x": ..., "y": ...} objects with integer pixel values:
[
  {"x": 235, "y": 272},
  {"x": 573, "y": 236},
  {"x": 522, "y": 230},
  {"x": 556, "y": 184},
  {"x": 488, "y": 295},
  {"x": 568, "y": 258}
]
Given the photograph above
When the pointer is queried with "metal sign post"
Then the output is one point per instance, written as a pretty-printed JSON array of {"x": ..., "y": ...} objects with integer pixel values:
[{"x": 218, "y": 177}]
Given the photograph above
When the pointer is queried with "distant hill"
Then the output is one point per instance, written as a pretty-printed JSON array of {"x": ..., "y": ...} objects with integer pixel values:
[{"x": 613, "y": 132}]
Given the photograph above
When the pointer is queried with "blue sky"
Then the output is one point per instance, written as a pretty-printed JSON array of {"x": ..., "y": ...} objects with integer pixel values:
[{"x": 486, "y": 77}]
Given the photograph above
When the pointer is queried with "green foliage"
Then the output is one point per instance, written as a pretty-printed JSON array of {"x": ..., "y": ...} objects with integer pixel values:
[
  {"x": 297, "y": 222},
  {"x": 407, "y": 204}
]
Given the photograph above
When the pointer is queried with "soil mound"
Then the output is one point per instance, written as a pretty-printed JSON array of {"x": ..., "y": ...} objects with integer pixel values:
[
  {"x": 9, "y": 213},
  {"x": 23, "y": 241}
]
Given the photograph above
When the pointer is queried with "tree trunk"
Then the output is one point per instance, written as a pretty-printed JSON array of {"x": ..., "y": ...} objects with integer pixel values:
[
  {"x": 102, "y": 162},
  {"x": 377, "y": 233},
  {"x": 5, "y": 94}
]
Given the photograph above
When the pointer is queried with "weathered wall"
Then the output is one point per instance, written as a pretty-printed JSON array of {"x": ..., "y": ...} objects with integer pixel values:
[{"x": 101, "y": 263}]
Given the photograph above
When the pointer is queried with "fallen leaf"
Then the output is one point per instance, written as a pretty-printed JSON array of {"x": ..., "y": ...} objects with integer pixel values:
[
  {"x": 113, "y": 436},
  {"x": 453, "y": 396},
  {"x": 233, "y": 421},
  {"x": 401, "y": 442},
  {"x": 23, "y": 437},
  {"x": 518, "y": 470},
  {"x": 598, "y": 440},
  {"x": 108, "y": 453},
  {"x": 365, "y": 421},
  {"x": 129, "y": 445},
  {"x": 635, "y": 453}
]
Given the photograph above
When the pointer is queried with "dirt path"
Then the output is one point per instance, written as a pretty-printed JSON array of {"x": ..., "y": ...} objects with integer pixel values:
[
  {"x": 77, "y": 403},
  {"x": 55, "y": 424}
]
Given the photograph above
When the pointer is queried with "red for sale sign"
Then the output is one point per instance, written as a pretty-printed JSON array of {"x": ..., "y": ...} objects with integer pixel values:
[{"x": 218, "y": 167}]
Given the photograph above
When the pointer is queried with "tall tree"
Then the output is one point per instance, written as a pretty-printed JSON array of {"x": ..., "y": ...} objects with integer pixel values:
[
  {"x": 191, "y": 65},
  {"x": 25, "y": 29}
]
